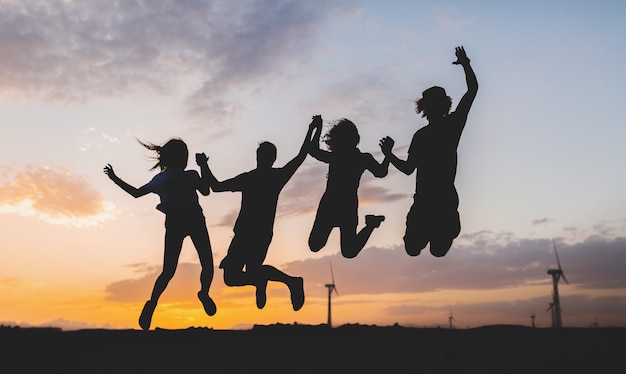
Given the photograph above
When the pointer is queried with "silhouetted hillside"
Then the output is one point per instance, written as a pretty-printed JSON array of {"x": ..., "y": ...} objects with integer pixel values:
[{"x": 315, "y": 349}]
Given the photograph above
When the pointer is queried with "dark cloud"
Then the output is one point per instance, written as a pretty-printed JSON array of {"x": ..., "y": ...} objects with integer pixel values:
[
  {"x": 589, "y": 265},
  {"x": 592, "y": 264},
  {"x": 69, "y": 50}
]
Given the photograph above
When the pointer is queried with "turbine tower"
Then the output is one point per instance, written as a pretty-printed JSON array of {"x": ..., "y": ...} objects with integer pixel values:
[
  {"x": 557, "y": 274},
  {"x": 331, "y": 287},
  {"x": 450, "y": 319},
  {"x": 532, "y": 318}
]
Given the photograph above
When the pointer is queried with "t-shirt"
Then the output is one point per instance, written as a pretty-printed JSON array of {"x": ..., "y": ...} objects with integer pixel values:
[
  {"x": 259, "y": 197},
  {"x": 176, "y": 189},
  {"x": 433, "y": 151}
]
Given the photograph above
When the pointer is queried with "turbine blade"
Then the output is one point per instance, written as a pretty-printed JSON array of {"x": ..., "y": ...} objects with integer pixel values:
[
  {"x": 332, "y": 276},
  {"x": 557, "y": 254},
  {"x": 565, "y": 279}
]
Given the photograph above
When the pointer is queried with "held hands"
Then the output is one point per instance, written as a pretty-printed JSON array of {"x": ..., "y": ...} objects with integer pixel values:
[
  {"x": 316, "y": 123},
  {"x": 386, "y": 145},
  {"x": 461, "y": 57},
  {"x": 201, "y": 159}
]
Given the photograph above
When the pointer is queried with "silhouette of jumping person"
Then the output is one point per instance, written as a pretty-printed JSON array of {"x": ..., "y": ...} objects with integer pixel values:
[
  {"x": 434, "y": 217},
  {"x": 176, "y": 188},
  {"x": 254, "y": 226},
  {"x": 338, "y": 206}
]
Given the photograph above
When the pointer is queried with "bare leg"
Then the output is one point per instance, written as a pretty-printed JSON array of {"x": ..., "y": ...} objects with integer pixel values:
[
  {"x": 295, "y": 284},
  {"x": 351, "y": 243},
  {"x": 173, "y": 246},
  {"x": 202, "y": 243},
  {"x": 319, "y": 235}
]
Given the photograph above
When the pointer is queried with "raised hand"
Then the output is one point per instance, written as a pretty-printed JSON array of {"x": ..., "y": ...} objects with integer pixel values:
[
  {"x": 461, "y": 57},
  {"x": 201, "y": 159},
  {"x": 108, "y": 170},
  {"x": 386, "y": 145}
]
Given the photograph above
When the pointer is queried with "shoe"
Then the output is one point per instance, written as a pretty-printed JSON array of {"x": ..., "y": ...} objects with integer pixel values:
[
  {"x": 372, "y": 220},
  {"x": 146, "y": 314},
  {"x": 297, "y": 294},
  {"x": 261, "y": 295},
  {"x": 209, "y": 305}
]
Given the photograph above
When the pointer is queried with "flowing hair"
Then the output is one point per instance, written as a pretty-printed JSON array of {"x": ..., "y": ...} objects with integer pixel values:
[
  {"x": 173, "y": 154},
  {"x": 342, "y": 135}
]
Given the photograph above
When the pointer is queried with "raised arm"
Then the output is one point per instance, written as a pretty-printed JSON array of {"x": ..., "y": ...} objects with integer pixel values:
[
  {"x": 205, "y": 181},
  {"x": 470, "y": 78},
  {"x": 295, "y": 163},
  {"x": 386, "y": 146},
  {"x": 314, "y": 145},
  {"x": 133, "y": 191}
]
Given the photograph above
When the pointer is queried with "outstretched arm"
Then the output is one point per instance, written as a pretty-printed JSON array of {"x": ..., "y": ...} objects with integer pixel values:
[
  {"x": 470, "y": 78},
  {"x": 205, "y": 182},
  {"x": 133, "y": 191},
  {"x": 295, "y": 163},
  {"x": 386, "y": 145}
]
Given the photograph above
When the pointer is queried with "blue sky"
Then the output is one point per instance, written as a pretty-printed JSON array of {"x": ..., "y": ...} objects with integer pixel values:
[{"x": 541, "y": 156}]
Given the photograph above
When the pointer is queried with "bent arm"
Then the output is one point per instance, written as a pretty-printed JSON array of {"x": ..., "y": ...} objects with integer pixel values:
[
  {"x": 216, "y": 185},
  {"x": 378, "y": 170},
  {"x": 386, "y": 145},
  {"x": 205, "y": 183}
]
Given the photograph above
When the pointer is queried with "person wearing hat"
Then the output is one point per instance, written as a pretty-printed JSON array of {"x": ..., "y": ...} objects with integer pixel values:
[{"x": 433, "y": 218}]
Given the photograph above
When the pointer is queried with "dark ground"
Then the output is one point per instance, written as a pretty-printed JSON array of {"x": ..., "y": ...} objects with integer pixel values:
[{"x": 315, "y": 349}]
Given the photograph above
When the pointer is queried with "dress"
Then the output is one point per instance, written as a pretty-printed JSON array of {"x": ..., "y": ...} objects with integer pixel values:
[{"x": 339, "y": 203}]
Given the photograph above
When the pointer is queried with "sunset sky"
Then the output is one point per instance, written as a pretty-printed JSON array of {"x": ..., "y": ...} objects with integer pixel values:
[{"x": 541, "y": 158}]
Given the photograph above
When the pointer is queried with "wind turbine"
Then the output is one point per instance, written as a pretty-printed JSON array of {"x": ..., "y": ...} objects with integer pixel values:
[
  {"x": 557, "y": 274},
  {"x": 450, "y": 319},
  {"x": 331, "y": 287},
  {"x": 532, "y": 318}
]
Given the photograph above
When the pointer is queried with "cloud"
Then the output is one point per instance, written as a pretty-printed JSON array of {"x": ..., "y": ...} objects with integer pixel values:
[
  {"x": 542, "y": 221},
  {"x": 52, "y": 195},
  {"x": 498, "y": 265},
  {"x": 209, "y": 52},
  {"x": 482, "y": 265}
]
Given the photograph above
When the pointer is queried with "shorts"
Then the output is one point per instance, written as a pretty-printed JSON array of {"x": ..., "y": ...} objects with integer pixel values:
[
  {"x": 433, "y": 217},
  {"x": 245, "y": 250}
]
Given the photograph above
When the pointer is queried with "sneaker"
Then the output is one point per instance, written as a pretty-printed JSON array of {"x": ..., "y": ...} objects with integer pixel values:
[
  {"x": 209, "y": 305},
  {"x": 372, "y": 220},
  {"x": 297, "y": 293},
  {"x": 146, "y": 314},
  {"x": 261, "y": 295}
]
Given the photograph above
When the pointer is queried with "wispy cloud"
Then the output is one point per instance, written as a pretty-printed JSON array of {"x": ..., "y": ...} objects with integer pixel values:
[
  {"x": 52, "y": 195},
  {"x": 207, "y": 52}
]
